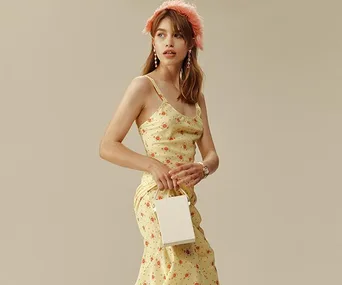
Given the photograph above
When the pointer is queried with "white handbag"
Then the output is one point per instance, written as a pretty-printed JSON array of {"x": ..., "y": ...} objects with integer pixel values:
[{"x": 174, "y": 218}]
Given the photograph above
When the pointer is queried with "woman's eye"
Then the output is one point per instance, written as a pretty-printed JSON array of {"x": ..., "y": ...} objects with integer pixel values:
[{"x": 176, "y": 35}]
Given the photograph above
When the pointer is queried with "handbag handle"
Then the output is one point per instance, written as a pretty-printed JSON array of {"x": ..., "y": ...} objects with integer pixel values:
[{"x": 182, "y": 190}]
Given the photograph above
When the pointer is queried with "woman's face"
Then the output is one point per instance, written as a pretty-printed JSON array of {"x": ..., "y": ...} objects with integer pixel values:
[{"x": 167, "y": 39}]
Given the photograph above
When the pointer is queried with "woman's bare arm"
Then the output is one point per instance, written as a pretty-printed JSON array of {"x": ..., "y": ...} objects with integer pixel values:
[
  {"x": 206, "y": 143},
  {"x": 111, "y": 147}
]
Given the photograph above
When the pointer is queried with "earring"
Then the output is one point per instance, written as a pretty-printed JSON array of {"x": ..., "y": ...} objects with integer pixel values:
[
  {"x": 155, "y": 58},
  {"x": 189, "y": 59}
]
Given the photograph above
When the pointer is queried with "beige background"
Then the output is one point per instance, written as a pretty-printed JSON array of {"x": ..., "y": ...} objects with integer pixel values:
[{"x": 272, "y": 210}]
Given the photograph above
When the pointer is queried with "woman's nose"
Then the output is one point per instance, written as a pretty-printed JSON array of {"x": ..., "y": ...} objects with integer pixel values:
[{"x": 169, "y": 42}]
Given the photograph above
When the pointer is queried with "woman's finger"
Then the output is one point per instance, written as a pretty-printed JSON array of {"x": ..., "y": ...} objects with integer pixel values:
[
  {"x": 175, "y": 185},
  {"x": 169, "y": 181},
  {"x": 187, "y": 178},
  {"x": 165, "y": 183},
  {"x": 179, "y": 168},
  {"x": 193, "y": 182},
  {"x": 160, "y": 185},
  {"x": 181, "y": 174}
]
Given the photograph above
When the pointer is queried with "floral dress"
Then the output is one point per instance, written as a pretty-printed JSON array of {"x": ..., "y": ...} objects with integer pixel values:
[{"x": 170, "y": 137}]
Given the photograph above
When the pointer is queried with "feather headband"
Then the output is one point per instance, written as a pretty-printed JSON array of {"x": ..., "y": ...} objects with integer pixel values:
[{"x": 187, "y": 10}]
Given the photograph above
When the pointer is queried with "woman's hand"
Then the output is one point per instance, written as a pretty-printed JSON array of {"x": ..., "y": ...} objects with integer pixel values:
[
  {"x": 161, "y": 176},
  {"x": 189, "y": 173}
]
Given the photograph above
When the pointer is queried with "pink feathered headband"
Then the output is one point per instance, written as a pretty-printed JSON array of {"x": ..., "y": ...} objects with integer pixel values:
[{"x": 188, "y": 10}]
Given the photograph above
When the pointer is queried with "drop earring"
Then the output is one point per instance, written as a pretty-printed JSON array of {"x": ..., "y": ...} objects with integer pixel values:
[
  {"x": 155, "y": 58},
  {"x": 189, "y": 58}
]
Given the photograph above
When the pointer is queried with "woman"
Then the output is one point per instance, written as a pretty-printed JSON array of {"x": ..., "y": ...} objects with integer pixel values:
[{"x": 170, "y": 125}]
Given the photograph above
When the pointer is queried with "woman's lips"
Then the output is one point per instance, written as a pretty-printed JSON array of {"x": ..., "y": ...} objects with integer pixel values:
[{"x": 169, "y": 55}]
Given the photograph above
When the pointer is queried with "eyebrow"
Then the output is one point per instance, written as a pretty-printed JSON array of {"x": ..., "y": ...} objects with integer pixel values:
[{"x": 161, "y": 29}]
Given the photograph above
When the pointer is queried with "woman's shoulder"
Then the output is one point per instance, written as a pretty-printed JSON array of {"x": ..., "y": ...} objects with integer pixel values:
[
  {"x": 139, "y": 89},
  {"x": 140, "y": 85},
  {"x": 141, "y": 82}
]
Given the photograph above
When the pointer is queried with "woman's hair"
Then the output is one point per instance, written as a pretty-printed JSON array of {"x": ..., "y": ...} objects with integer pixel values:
[{"x": 191, "y": 79}]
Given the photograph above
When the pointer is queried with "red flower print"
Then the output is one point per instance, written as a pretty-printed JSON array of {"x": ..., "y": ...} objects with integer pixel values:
[
  {"x": 149, "y": 119},
  {"x": 158, "y": 262},
  {"x": 197, "y": 266},
  {"x": 174, "y": 275},
  {"x": 178, "y": 120},
  {"x": 171, "y": 138},
  {"x": 143, "y": 260},
  {"x": 164, "y": 125},
  {"x": 148, "y": 204},
  {"x": 184, "y": 146},
  {"x": 152, "y": 154},
  {"x": 196, "y": 283},
  {"x": 152, "y": 235},
  {"x": 181, "y": 261},
  {"x": 166, "y": 148},
  {"x": 186, "y": 275},
  {"x": 168, "y": 161},
  {"x": 160, "y": 197},
  {"x": 187, "y": 251},
  {"x": 152, "y": 219},
  {"x": 157, "y": 138},
  {"x": 180, "y": 156},
  {"x": 181, "y": 131},
  {"x": 169, "y": 266},
  {"x": 208, "y": 251},
  {"x": 151, "y": 258},
  {"x": 146, "y": 243},
  {"x": 163, "y": 113},
  {"x": 164, "y": 277},
  {"x": 192, "y": 213},
  {"x": 152, "y": 276}
]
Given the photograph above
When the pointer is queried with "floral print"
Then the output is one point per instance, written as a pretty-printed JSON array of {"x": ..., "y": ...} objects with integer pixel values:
[{"x": 170, "y": 137}]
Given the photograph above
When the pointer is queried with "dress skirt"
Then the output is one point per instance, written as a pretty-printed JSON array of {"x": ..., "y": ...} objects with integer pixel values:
[{"x": 185, "y": 264}]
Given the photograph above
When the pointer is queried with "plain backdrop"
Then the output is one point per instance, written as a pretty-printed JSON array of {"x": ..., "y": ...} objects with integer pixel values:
[{"x": 273, "y": 72}]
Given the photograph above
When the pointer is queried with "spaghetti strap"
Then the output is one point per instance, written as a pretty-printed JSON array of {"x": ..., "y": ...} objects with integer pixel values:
[
  {"x": 198, "y": 109},
  {"x": 156, "y": 87}
]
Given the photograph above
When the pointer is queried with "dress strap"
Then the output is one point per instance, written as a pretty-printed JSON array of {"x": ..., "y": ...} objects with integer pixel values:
[
  {"x": 156, "y": 87},
  {"x": 198, "y": 109}
]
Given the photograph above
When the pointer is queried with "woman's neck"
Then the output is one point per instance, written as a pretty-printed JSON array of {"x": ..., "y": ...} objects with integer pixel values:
[{"x": 168, "y": 74}]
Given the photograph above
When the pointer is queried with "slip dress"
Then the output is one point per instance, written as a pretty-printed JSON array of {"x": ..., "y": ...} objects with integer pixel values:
[{"x": 170, "y": 137}]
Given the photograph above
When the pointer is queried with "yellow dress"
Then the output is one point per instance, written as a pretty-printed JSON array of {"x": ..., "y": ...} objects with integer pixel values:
[{"x": 170, "y": 137}]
